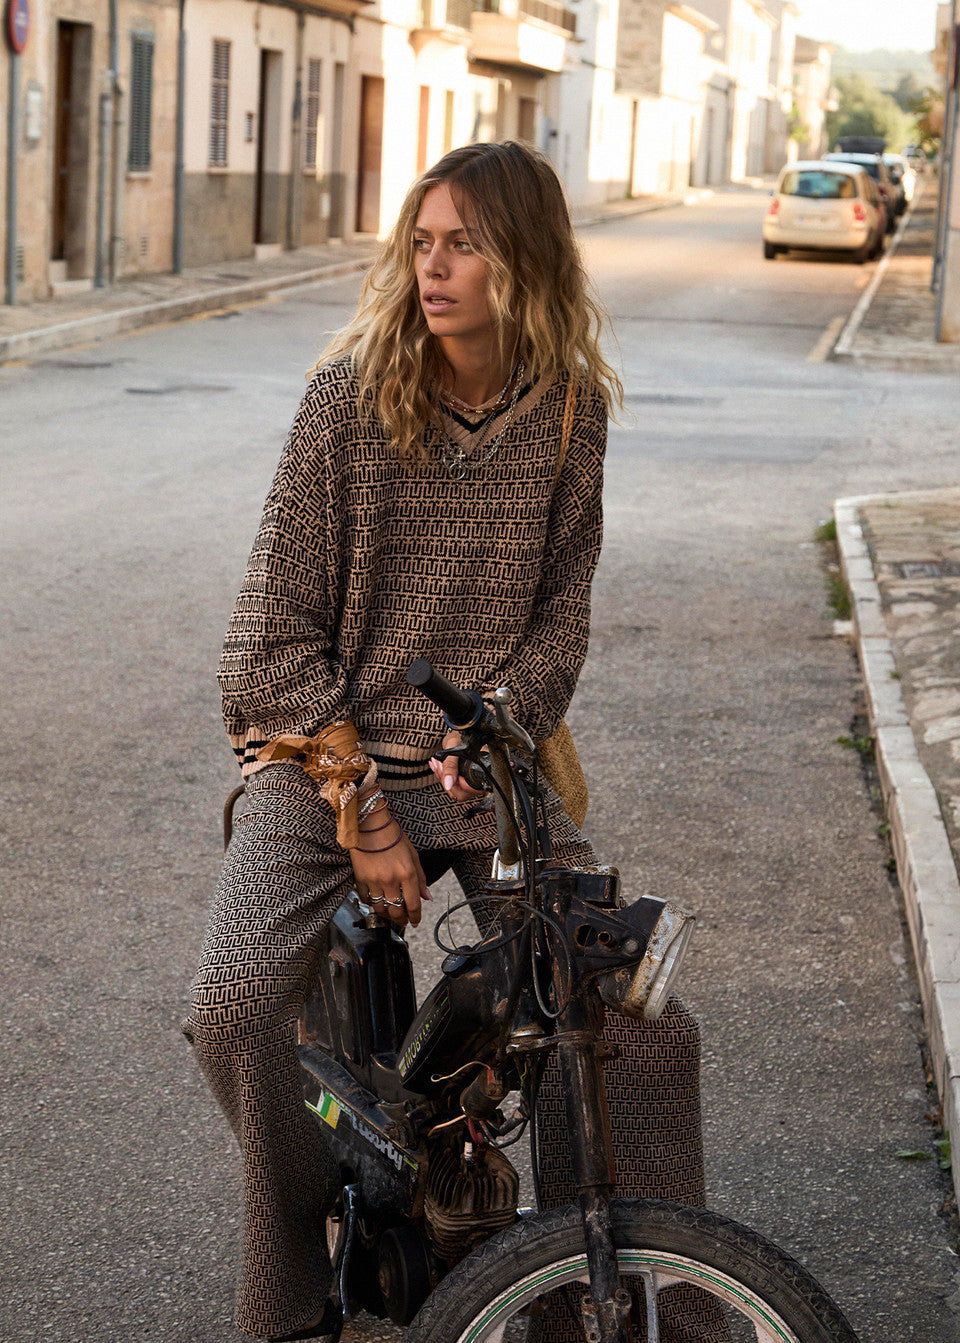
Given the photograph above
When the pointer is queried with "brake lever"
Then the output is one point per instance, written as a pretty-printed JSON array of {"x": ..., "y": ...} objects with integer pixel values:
[{"x": 502, "y": 699}]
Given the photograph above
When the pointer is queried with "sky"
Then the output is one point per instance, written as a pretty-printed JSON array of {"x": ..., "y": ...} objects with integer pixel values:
[{"x": 861, "y": 25}]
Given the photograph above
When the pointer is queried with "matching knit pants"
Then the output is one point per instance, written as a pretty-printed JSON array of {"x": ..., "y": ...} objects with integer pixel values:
[{"x": 283, "y": 878}]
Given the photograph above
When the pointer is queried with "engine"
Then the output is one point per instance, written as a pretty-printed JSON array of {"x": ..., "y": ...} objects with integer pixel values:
[{"x": 472, "y": 1191}]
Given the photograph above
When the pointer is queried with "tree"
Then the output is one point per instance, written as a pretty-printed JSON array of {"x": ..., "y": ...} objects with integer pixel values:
[
  {"x": 927, "y": 110},
  {"x": 863, "y": 110}
]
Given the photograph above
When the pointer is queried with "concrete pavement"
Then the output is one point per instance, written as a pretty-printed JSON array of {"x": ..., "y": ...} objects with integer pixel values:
[
  {"x": 79, "y": 315},
  {"x": 900, "y": 555}
]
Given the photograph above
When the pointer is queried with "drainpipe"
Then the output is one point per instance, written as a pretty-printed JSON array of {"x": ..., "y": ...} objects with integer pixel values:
[
  {"x": 295, "y": 184},
  {"x": 13, "y": 148},
  {"x": 103, "y": 147},
  {"x": 178, "y": 166},
  {"x": 947, "y": 172},
  {"x": 116, "y": 147}
]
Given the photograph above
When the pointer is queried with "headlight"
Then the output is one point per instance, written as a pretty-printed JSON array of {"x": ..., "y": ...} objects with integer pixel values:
[{"x": 642, "y": 990}]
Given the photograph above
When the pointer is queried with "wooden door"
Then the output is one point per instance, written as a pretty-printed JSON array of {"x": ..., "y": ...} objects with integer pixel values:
[
  {"x": 371, "y": 154},
  {"x": 61, "y": 141}
]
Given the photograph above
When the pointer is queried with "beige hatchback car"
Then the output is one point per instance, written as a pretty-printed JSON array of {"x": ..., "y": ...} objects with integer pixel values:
[{"x": 825, "y": 207}]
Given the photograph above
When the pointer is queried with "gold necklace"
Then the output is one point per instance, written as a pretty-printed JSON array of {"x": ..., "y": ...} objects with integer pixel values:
[{"x": 455, "y": 402}]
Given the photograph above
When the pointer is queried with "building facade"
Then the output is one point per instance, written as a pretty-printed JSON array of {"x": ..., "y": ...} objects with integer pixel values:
[{"x": 164, "y": 134}]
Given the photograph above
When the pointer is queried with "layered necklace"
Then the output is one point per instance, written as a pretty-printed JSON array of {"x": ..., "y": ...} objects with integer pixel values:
[{"x": 457, "y": 462}]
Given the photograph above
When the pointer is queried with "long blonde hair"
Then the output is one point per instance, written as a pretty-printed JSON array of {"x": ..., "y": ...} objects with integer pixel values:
[{"x": 511, "y": 199}]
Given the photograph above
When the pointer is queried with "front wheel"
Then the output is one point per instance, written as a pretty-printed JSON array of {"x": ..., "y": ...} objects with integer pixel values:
[{"x": 694, "y": 1277}]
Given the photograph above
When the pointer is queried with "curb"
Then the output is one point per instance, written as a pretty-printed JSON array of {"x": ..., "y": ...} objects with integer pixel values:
[
  {"x": 80, "y": 331},
  {"x": 628, "y": 209},
  {"x": 924, "y": 858}
]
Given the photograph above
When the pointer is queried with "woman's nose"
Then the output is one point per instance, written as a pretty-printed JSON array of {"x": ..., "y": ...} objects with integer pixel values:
[{"x": 435, "y": 263}]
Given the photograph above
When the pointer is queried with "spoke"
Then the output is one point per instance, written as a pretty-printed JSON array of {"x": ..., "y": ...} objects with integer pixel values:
[{"x": 650, "y": 1289}]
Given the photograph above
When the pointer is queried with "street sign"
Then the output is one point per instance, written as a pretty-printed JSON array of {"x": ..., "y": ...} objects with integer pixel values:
[{"x": 18, "y": 24}]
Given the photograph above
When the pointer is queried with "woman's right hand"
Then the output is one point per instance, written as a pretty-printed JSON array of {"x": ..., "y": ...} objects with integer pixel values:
[{"x": 391, "y": 882}]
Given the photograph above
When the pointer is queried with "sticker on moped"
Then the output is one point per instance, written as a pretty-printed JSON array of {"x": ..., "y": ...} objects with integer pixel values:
[{"x": 327, "y": 1108}]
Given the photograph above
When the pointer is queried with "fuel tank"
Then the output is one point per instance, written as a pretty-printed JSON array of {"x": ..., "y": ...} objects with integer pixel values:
[{"x": 362, "y": 1000}]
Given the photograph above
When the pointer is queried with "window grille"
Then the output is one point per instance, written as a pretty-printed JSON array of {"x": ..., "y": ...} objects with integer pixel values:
[
  {"x": 312, "y": 114},
  {"x": 219, "y": 103},
  {"x": 141, "y": 101}
]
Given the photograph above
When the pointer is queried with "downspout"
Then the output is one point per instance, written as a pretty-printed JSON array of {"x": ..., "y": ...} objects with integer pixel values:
[
  {"x": 116, "y": 203},
  {"x": 13, "y": 149},
  {"x": 103, "y": 149},
  {"x": 179, "y": 151},
  {"x": 295, "y": 183},
  {"x": 947, "y": 170}
]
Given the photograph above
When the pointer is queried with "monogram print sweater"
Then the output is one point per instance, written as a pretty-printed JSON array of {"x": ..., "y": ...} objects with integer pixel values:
[{"x": 361, "y": 565}]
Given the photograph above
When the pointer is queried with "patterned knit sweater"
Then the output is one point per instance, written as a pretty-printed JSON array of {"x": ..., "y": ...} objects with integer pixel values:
[{"x": 360, "y": 566}]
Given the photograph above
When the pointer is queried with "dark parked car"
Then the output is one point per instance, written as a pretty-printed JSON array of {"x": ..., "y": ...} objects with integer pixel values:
[{"x": 891, "y": 192}]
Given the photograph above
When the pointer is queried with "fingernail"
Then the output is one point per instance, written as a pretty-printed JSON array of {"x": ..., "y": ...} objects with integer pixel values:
[{"x": 448, "y": 784}]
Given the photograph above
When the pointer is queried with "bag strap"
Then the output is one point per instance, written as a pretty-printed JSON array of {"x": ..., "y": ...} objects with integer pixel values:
[{"x": 569, "y": 406}]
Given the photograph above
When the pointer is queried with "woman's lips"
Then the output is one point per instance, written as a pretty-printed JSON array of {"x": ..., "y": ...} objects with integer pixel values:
[{"x": 437, "y": 302}]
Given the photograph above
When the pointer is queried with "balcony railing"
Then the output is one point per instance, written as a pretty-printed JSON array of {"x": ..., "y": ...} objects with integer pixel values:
[
  {"x": 456, "y": 13},
  {"x": 446, "y": 13},
  {"x": 547, "y": 11}
]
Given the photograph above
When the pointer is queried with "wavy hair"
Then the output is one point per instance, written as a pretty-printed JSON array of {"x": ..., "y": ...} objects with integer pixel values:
[{"x": 510, "y": 198}]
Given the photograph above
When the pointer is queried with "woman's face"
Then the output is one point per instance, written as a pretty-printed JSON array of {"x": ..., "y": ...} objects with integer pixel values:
[{"x": 452, "y": 277}]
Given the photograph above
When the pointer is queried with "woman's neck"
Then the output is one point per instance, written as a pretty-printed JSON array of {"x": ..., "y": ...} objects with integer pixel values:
[{"x": 475, "y": 375}]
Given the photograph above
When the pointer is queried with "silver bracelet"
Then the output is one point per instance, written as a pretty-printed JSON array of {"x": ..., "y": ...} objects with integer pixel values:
[{"x": 369, "y": 804}]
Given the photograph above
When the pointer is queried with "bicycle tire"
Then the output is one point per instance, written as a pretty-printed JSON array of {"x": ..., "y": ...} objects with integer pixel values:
[{"x": 497, "y": 1282}]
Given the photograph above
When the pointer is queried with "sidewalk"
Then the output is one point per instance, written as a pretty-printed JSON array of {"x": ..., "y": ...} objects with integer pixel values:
[
  {"x": 894, "y": 323},
  {"x": 901, "y": 560},
  {"x": 77, "y": 318}
]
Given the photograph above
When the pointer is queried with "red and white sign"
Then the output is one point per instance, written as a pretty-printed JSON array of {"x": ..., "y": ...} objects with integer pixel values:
[{"x": 18, "y": 24}]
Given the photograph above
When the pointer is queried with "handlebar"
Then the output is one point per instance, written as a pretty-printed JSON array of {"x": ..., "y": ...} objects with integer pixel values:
[{"x": 461, "y": 708}]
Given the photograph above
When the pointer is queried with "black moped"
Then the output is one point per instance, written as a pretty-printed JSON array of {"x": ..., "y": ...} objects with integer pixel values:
[{"x": 421, "y": 1104}]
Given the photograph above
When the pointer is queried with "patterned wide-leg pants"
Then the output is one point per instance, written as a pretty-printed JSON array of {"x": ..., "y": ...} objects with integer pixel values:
[{"x": 283, "y": 878}]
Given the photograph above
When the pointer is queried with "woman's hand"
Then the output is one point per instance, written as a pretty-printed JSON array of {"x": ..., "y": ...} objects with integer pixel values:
[
  {"x": 448, "y": 771},
  {"x": 389, "y": 876}
]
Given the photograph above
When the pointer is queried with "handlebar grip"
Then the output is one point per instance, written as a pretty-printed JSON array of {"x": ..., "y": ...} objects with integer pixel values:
[{"x": 461, "y": 708}]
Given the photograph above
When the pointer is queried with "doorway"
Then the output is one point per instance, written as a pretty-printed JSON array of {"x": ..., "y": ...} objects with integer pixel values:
[
  {"x": 371, "y": 154},
  {"x": 70, "y": 189},
  {"x": 267, "y": 203}
]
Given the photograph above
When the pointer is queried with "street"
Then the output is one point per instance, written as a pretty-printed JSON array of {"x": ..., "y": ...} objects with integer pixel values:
[{"x": 707, "y": 717}]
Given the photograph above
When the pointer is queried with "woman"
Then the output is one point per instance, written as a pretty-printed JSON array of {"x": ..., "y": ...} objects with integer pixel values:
[{"x": 420, "y": 509}]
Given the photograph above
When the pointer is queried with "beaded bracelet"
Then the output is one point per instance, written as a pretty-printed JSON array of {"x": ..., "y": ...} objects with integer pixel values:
[{"x": 369, "y": 804}]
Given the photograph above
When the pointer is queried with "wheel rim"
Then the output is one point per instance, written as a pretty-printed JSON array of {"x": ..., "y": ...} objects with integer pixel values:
[{"x": 751, "y": 1317}]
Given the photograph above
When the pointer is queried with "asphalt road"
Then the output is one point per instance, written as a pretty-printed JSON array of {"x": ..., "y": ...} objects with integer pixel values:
[{"x": 708, "y": 713}]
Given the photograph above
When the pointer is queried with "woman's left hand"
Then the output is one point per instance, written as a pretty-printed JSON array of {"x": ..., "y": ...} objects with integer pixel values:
[{"x": 448, "y": 772}]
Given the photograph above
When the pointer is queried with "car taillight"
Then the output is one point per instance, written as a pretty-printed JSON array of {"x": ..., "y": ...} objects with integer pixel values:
[
  {"x": 859, "y": 213},
  {"x": 773, "y": 209}
]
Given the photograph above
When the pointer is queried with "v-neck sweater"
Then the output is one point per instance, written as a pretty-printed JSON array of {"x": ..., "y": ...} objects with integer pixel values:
[{"x": 361, "y": 565}]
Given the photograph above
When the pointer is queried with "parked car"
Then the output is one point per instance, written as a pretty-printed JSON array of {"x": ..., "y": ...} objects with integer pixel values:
[
  {"x": 893, "y": 197},
  {"x": 825, "y": 207},
  {"x": 898, "y": 166}
]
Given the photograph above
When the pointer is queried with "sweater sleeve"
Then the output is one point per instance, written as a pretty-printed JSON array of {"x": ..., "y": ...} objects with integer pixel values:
[
  {"x": 278, "y": 672},
  {"x": 543, "y": 673}
]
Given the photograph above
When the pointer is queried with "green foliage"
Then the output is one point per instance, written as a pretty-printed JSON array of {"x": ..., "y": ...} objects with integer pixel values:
[
  {"x": 863, "y": 110},
  {"x": 839, "y": 594},
  {"x": 826, "y": 530},
  {"x": 864, "y": 746}
]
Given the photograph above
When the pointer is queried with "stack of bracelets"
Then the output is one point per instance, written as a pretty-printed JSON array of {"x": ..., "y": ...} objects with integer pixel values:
[{"x": 376, "y": 805}]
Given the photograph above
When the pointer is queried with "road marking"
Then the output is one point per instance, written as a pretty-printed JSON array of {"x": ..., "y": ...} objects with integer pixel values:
[{"x": 825, "y": 344}]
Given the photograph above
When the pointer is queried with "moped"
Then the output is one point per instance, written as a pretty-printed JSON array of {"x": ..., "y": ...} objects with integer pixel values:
[{"x": 414, "y": 1100}]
